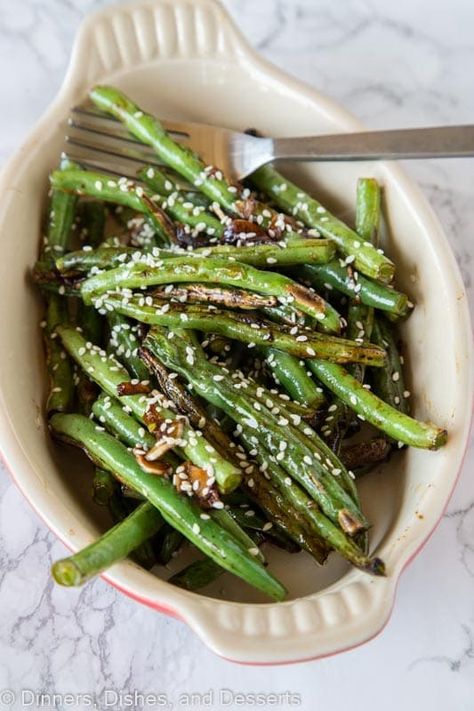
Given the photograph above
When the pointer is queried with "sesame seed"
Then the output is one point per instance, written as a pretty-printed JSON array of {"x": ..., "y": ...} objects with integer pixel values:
[
  {"x": 196, "y": 528},
  {"x": 396, "y": 376}
]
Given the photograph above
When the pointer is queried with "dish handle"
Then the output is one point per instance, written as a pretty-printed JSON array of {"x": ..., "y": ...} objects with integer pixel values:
[{"x": 122, "y": 37}]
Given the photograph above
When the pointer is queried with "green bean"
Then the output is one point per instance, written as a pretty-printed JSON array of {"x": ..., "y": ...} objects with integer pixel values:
[
  {"x": 197, "y": 575},
  {"x": 148, "y": 130},
  {"x": 368, "y": 210},
  {"x": 299, "y": 458},
  {"x": 61, "y": 386},
  {"x": 389, "y": 385},
  {"x": 104, "y": 486},
  {"x": 188, "y": 405},
  {"x": 369, "y": 407},
  {"x": 246, "y": 329},
  {"x": 92, "y": 219},
  {"x": 176, "y": 509},
  {"x": 288, "y": 196},
  {"x": 228, "y": 297},
  {"x": 335, "y": 276},
  {"x": 264, "y": 256},
  {"x": 119, "y": 191},
  {"x": 300, "y": 502},
  {"x": 107, "y": 372},
  {"x": 124, "y": 343},
  {"x": 112, "y": 546},
  {"x": 178, "y": 205},
  {"x": 293, "y": 377},
  {"x": 120, "y": 508},
  {"x": 249, "y": 519},
  {"x": 150, "y": 271},
  {"x": 171, "y": 541},
  {"x": 60, "y": 221}
]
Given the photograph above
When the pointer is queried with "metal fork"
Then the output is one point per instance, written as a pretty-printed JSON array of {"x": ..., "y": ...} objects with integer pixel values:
[{"x": 103, "y": 143}]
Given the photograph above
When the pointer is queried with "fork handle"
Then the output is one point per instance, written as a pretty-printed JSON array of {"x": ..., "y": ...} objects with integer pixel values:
[{"x": 436, "y": 142}]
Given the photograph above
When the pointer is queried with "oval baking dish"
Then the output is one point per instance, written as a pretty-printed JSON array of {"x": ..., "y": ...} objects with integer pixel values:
[{"x": 184, "y": 59}]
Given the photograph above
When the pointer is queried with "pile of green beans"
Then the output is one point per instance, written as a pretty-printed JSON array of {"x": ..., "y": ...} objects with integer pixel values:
[{"x": 215, "y": 373}]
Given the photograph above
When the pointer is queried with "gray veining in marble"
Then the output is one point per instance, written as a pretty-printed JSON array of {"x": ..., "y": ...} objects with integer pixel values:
[{"x": 393, "y": 64}]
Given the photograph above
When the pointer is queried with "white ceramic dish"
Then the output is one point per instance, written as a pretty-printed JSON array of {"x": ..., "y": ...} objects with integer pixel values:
[{"x": 185, "y": 59}]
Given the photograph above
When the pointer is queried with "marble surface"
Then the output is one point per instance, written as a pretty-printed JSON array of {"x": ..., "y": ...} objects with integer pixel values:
[{"x": 393, "y": 64}]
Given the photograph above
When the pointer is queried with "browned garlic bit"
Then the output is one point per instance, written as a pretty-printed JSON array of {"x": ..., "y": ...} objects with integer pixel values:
[
  {"x": 196, "y": 481},
  {"x": 154, "y": 467}
]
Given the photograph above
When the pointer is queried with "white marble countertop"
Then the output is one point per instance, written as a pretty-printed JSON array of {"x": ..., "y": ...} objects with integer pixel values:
[{"x": 392, "y": 64}]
